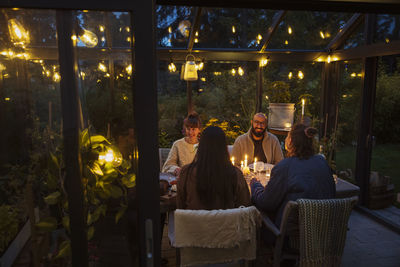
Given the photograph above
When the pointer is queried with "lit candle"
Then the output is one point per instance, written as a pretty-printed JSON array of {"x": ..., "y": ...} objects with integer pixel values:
[
  {"x": 255, "y": 164},
  {"x": 245, "y": 160},
  {"x": 303, "y": 102},
  {"x": 233, "y": 160}
]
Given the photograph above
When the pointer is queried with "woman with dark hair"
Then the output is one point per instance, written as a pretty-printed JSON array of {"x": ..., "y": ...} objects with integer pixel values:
[
  {"x": 303, "y": 174},
  {"x": 211, "y": 181},
  {"x": 184, "y": 149}
]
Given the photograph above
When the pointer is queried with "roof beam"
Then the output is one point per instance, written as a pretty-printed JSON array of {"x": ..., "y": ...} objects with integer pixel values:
[
  {"x": 362, "y": 6},
  {"x": 236, "y": 55},
  {"x": 194, "y": 28},
  {"x": 373, "y": 50},
  {"x": 278, "y": 17},
  {"x": 345, "y": 33}
]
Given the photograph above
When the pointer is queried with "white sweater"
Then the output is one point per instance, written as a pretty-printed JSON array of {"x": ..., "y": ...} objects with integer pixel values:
[{"x": 181, "y": 153}]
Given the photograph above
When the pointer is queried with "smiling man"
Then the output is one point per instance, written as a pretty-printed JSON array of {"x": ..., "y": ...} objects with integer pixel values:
[{"x": 257, "y": 142}]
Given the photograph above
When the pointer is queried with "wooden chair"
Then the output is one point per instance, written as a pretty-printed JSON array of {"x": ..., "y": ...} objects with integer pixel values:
[
  {"x": 163, "y": 155},
  {"x": 314, "y": 229}
]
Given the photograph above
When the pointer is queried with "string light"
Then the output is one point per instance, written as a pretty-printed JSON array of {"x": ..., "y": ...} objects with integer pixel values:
[
  {"x": 56, "y": 77},
  {"x": 19, "y": 36},
  {"x": 101, "y": 28},
  {"x": 353, "y": 74},
  {"x": 127, "y": 29},
  {"x": 300, "y": 75},
  {"x": 259, "y": 37},
  {"x": 322, "y": 35},
  {"x": 263, "y": 62},
  {"x": 289, "y": 30},
  {"x": 233, "y": 29},
  {"x": 240, "y": 71},
  {"x": 286, "y": 42},
  {"x": 196, "y": 40},
  {"x": 129, "y": 69},
  {"x": 169, "y": 29},
  {"x": 88, "y": 38},
  {"x": 172, "y": 67},
  {"x": 200, "y": 66},
  {"x": 290, "y": 75},
  {"x": 196, "y": 33},
  {"x": 7, "y": 99},
  {"x": 328, "y": 59},
  {"x": 102, "y": 67},
  {"x": 233, "y": 71}
]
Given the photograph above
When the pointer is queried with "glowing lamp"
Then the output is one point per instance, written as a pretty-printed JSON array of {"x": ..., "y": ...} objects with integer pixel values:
[
  {"x": 190, "y": 71},
  {"x": 88, "y": 38},
  {"x": 19, "y": 36}
]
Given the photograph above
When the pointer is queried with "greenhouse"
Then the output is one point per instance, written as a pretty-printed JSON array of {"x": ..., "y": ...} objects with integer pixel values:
[{"x": 94, "y": 98}]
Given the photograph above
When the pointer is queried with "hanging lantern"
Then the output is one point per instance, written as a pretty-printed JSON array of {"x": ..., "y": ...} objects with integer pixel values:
[{"x": 190, "y": 73}]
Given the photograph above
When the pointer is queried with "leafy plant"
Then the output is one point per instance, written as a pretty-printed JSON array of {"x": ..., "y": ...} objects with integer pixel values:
[
  {"x": 8, "y": 225},
  {"x": 231, "y": 132},
  {"x": 105, "y": 176},
  {"x": 279, "y": 92}
]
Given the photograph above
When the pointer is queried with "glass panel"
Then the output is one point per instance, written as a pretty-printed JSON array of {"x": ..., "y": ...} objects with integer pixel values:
[
  {"x": 308, "y": 30},
  {"x": 357, "y": 38},
  {"x": 32, "y": 168},
  {"x": 233, "y": 28},
  {"x": 30, "y": 115},
  {"x": 173, "y": 26},
  {"x": 349, "y": 100},
  {"x": 388, "y": 28},
  {"x": 105, "y": 89},
  {"x": 292, "y": 82},
  {"x": 385, "y": 174}
]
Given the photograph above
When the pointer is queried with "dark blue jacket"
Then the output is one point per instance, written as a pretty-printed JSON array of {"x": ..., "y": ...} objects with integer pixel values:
[{"x": 291, "y": 179}]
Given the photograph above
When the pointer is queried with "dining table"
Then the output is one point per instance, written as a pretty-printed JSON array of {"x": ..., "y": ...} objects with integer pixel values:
[{"x": 344, "y": 189}]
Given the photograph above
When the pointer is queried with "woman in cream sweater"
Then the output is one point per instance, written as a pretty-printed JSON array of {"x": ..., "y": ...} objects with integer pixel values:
[{"x": 184, "y": 150}]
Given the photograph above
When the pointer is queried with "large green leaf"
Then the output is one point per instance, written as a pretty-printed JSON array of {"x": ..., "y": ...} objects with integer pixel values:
[
  {"x": 64, "y": 250},
  {"x": 85, "y": 137},
  {"x": 47, "y": 224},
  {"x": 129, "y": 180},
  {"x": 65, "y": 222},
  {"x": 53, "y": 198},
  {"x": 115, "y": 191},
  {"x": 96, "y": 169},
  {"x": 54, "y": 161},
  {"x": 98, "y": 139},
  {"x": 90, "y": 232},
  {"x": 120, "y": 212}
]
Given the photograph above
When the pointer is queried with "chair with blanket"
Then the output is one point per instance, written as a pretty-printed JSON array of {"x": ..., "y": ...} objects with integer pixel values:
[
  {"x": 315, "y": 231},
  {"x": 215, "y": 236}
]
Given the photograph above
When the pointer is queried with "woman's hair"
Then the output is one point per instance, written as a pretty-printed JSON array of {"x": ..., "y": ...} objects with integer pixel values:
[
  {"x": 215, "y": 175},
  {"x": 192, "y": 121},
  {"x": 301, "y": 141}
]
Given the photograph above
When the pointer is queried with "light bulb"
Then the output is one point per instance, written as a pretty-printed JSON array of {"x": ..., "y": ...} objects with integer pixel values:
[
  {"x": 290, "y": 75},
  {"x": 300, "y": 75},
  {"x": 233, "y": 72},
  {"x": 56, "y": 77},
  {"x": 129, "y": 69},
  {"x": 322, "y": 35},
  {"x": 233, "y": 29},
  {"x": 263, "y": 62},
  {"x": 289, "y": 30},
  {"x": 102, "y": 67},
  {"x": 88, "y": 38},
  {"x": 240, "y": 71},
  {"x": 19, "y": 36}
]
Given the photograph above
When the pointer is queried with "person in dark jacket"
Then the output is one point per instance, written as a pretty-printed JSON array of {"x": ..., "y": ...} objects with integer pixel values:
[{"x": 303, "y": 174}]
